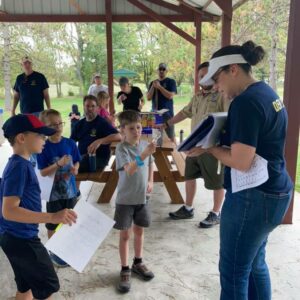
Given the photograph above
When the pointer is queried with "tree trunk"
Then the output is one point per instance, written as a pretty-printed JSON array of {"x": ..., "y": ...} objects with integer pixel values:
[
  {"x": 6, "y": 65},
  {"x": 58, "y": 88},
  {"x": 79, "y": 63}
]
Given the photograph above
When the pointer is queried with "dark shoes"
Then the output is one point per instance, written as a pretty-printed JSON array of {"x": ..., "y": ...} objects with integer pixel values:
[
  {"x": 125, "y": 281},
  {"x": 58, "y": 262},
  {"x": 141, "y": 270},
  {"x": 125, "y": 276},
  {"x": 211, "y": 220},
  {"x": 182, "y": 213}
]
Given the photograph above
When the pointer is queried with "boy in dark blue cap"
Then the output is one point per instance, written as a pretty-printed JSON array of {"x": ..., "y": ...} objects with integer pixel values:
[{"x": 20, "y": 212}]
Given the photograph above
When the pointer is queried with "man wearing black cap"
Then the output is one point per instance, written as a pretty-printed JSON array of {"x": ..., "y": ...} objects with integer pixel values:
[
  {"x": 30, "y": 89},
  {"x": 161, "y": 92},
  {"x": 21, "y": 211}
]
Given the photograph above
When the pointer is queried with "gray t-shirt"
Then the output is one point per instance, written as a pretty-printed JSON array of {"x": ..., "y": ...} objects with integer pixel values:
[
  {"x": 132, "y": 188},
  {"x": 95, "y": 89}
]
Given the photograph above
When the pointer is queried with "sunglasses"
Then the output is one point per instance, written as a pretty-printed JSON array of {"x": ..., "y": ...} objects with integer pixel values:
[{"x": 162, "y": 69}]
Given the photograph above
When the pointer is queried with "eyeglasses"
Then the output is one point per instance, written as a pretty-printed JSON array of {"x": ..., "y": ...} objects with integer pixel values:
[
  {"x": 162, "y": 69},
  {"x": 56, "y": 125}
]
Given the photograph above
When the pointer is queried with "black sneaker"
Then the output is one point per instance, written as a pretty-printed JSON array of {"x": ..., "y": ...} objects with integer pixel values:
[
  {"x": 211, "y": 220},
  {"x": 182, "y": 213}
]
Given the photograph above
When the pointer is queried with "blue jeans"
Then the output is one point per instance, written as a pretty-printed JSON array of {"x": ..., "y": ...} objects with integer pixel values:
[{"x": 247, "y": 219}]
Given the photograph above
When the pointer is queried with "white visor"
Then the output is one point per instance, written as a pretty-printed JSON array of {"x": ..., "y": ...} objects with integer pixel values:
[{"x": 216, "y": 63}]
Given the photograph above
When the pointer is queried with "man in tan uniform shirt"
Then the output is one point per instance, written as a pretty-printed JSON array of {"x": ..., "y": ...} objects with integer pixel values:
[{"x": 205, "y": 166}]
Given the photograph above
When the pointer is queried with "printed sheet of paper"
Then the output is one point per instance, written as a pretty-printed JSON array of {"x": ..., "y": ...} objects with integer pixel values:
[
  {"x": 76, "y": 244},
  {"x": 255, "y": 176},
  {"x": 46, "y": 184}
]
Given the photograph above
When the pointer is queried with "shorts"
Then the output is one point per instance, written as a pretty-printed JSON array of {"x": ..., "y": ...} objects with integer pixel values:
[
  {"x": 170, "y": 130},
  {"x": 55, "y": 206},
  {"x": 204, "y": 166},
  {"x": 101, "y": 163},
  {"x": 32, "y": 266},
  {"x": 125, "y": 214}
]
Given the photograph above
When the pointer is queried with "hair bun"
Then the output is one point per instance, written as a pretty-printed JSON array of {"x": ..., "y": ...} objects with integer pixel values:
[{"x": 252, "y": 53}]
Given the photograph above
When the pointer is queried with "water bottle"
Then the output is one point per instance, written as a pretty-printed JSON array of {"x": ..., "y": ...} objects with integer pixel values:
[
  {"x": 181, "y": 135},
  {"x": 2, "y": 139},
  {"x": 92, "y": 162}
]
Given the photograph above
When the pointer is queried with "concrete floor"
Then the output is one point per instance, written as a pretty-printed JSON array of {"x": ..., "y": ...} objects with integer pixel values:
[{"x": 183, "y": 257}]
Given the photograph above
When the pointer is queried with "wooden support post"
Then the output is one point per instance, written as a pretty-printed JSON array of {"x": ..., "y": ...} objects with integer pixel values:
[
  {"x": 291, "y": 97},
  {"x": 109, "y": 55},
  {"x": 198, "y": 27}
]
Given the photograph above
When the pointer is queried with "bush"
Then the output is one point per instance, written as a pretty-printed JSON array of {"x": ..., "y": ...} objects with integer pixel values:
[{"x": 71, "y": 93}]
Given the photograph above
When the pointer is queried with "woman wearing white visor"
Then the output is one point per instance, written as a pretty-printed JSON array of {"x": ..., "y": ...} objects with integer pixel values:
[{"x": 256, "y": 125}]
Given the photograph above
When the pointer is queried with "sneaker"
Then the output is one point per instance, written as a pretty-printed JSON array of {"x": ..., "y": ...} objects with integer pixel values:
[
  {"x": 141, "y": 270},
  {"x": 182, "y": 213},
  {"x": 58, "y": 262},
  {"x": 125, "y": 281},
  {"x": 211, "y": 220}
]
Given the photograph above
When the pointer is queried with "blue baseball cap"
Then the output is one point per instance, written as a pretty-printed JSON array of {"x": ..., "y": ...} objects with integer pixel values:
[{"x": 25, "y": 122}]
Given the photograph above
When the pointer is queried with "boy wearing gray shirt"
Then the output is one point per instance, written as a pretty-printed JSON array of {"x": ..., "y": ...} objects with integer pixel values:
[{"x": 135, "y": 166}]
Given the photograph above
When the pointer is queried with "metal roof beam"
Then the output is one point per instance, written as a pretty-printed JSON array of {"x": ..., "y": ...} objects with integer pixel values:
[{"x": 5, "y": 17}]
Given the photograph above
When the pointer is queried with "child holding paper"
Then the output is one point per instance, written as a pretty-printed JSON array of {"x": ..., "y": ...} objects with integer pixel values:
[
  {"x": 135, "y": 165},
  {"x": 61, "y": 157},
  {"x": 20, "y": 211}
]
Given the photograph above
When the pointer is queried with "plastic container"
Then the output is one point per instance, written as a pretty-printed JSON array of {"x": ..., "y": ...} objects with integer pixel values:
[
  {"x": 92, "y": 163},
  {"x": 2, "y": 138}
]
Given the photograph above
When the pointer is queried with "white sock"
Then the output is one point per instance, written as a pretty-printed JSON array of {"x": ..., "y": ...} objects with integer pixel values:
[{"x": 189, "y": 208}]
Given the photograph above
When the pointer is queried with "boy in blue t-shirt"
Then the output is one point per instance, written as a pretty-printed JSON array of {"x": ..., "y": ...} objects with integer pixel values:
[
  {"x": 61, "y": 157},
  {"x": 20, "y": 211}
]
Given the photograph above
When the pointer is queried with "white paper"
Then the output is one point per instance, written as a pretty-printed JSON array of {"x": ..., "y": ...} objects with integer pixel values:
[
  {"x": 213, "y": 135},
  {"x": 76, "y": 244},
  {"x": 46, "y": 184},
  {"x": 255, "y": 176},
  {"x": 5, "y": 153},
  {"x": 162, "y": 111}
]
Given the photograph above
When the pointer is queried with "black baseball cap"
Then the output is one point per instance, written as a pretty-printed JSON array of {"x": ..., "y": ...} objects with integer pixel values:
[{"x": 25, "y": 122}]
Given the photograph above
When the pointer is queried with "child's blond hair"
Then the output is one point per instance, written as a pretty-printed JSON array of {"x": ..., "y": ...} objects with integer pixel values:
[
  {"x": 101, "y": 97},
  {"x": 48, "y": 112}
]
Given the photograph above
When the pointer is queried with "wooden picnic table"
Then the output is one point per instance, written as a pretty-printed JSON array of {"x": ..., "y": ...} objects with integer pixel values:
[{"x": 166, "y": 171}]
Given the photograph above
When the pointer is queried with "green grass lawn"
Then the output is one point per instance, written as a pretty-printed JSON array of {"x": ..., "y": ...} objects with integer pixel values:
[{"x": 63, "y": 105}]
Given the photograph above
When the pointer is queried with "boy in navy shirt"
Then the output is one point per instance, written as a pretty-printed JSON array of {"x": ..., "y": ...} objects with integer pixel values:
[
  {"x": 61, "y": 157},
  {"x": 20, "y": 211}
]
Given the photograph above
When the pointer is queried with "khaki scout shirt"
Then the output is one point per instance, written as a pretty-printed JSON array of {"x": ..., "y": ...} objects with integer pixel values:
[{"x": 203, "y": 104}]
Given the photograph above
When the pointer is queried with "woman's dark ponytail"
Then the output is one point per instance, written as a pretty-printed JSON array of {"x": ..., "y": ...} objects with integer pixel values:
[{"x": 252, "y": 53}]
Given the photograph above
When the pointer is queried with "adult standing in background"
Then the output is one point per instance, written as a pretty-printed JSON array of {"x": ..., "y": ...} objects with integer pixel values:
[
  {"x": 31, "y": 89},
  {"x": 97, "y": 86},
  {"x": 161, "y": 92},
  {"x": 130, "y": 96}
]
